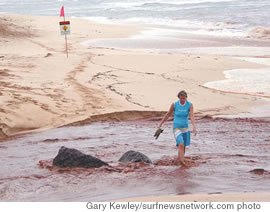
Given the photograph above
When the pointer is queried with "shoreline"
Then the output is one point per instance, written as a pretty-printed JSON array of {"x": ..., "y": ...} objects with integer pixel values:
[
  {"x": 42, "y": 89},
  {"x": 164, "y": 40},
  {"x": 136, "y": 116}
]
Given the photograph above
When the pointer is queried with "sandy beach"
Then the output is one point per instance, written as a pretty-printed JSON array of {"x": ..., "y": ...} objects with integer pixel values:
[{"x": 41, "y": 88}]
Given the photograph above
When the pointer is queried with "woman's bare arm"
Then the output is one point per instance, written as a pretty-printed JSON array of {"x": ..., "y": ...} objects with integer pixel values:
[{"x": 167, "y": 115}]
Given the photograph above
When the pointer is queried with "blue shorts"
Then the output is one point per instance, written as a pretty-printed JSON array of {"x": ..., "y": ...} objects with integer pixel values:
[{"x": 182, "y": 137}]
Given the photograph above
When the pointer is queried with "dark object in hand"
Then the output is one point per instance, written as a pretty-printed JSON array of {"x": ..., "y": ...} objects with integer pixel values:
[{"x": 158, "y": 132}]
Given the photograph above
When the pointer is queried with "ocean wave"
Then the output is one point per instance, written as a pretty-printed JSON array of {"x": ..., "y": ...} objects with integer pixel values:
[
  {"x": 259, "y": 33},
  {"x": 231, "y": 29},
  {"x": 161, "y": 5},
  {"x": 162, "y": 2},
  {"x": 231, "y": 18},
  {"x": 124, "y": 4}
]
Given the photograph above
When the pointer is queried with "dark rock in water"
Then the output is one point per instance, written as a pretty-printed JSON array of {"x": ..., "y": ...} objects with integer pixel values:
[
  {"x": 133, "y": 156},
  {"x": 258, "y": 171},
  {"x": 74, "y": 158}
]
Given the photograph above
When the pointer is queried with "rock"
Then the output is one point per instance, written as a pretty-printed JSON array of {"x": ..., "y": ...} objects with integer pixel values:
[
  {"x": 133, "y": 156},
  {"x": 258, "y": 171},
  {"x": 74, "y": 158}
]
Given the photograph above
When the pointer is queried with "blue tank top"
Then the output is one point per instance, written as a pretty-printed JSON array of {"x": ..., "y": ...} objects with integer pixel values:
[{"x": 181, "y": 113}]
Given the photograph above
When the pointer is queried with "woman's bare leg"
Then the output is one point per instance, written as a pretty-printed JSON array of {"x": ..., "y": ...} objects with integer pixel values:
[{"x": 181, "y": 153}]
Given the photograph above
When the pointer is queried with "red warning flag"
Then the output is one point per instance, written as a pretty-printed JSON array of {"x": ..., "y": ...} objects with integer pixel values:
[{"x": 62, "y": 13}]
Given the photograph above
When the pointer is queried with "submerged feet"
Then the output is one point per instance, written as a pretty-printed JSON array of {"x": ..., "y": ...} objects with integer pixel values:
[{"x": 186, "y": 163}]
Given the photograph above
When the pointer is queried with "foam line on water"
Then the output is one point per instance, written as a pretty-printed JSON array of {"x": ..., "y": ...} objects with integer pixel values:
[
  {"x": 248, "y": 81},
  {"x": 263, "y": 61},
  {"x": 243, "y": 51}
]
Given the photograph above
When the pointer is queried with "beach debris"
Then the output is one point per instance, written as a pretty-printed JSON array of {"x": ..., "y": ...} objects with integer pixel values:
[
  {"x": 48, "y": 55},
  {"x": 68, "y": 157},
  {"x": 134, "y": 157}
]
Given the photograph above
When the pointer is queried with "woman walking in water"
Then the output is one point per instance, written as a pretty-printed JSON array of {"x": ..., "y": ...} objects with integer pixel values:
[{"x": 182, "y": 110}]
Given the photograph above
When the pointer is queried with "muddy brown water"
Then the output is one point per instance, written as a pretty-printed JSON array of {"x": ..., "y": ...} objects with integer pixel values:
[{"x": 224, "y": 151}]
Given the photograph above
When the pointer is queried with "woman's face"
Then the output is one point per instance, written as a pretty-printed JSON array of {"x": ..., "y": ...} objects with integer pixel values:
[{"x": 182, "y": 99}]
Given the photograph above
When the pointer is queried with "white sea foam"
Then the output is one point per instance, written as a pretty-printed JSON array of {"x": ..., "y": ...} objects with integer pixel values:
[
  {"x": 182, "y": 26},
  {"x": 248, "y": 81},
  {"x": 263, "y": 61}
]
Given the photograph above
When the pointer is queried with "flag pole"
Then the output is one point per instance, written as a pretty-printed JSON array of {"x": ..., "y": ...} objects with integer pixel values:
[
  {"x": 66, "y": 45},
  {"x": 65, "y": 34},
  {"x": 66, "y": 38}
]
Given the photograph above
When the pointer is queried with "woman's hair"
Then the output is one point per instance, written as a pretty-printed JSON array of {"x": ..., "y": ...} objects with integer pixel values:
[{"x": 182, "y": 93}]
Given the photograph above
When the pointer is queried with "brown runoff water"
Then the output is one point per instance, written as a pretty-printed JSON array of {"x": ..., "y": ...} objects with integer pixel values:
[{"x": 225, "y": 151}]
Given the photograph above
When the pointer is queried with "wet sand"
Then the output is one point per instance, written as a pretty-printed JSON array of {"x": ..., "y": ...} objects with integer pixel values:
[{"x": 222, "y": 152}]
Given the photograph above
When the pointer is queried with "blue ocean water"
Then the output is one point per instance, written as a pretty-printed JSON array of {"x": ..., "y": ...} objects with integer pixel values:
[{"x": 226, "y": 17}]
